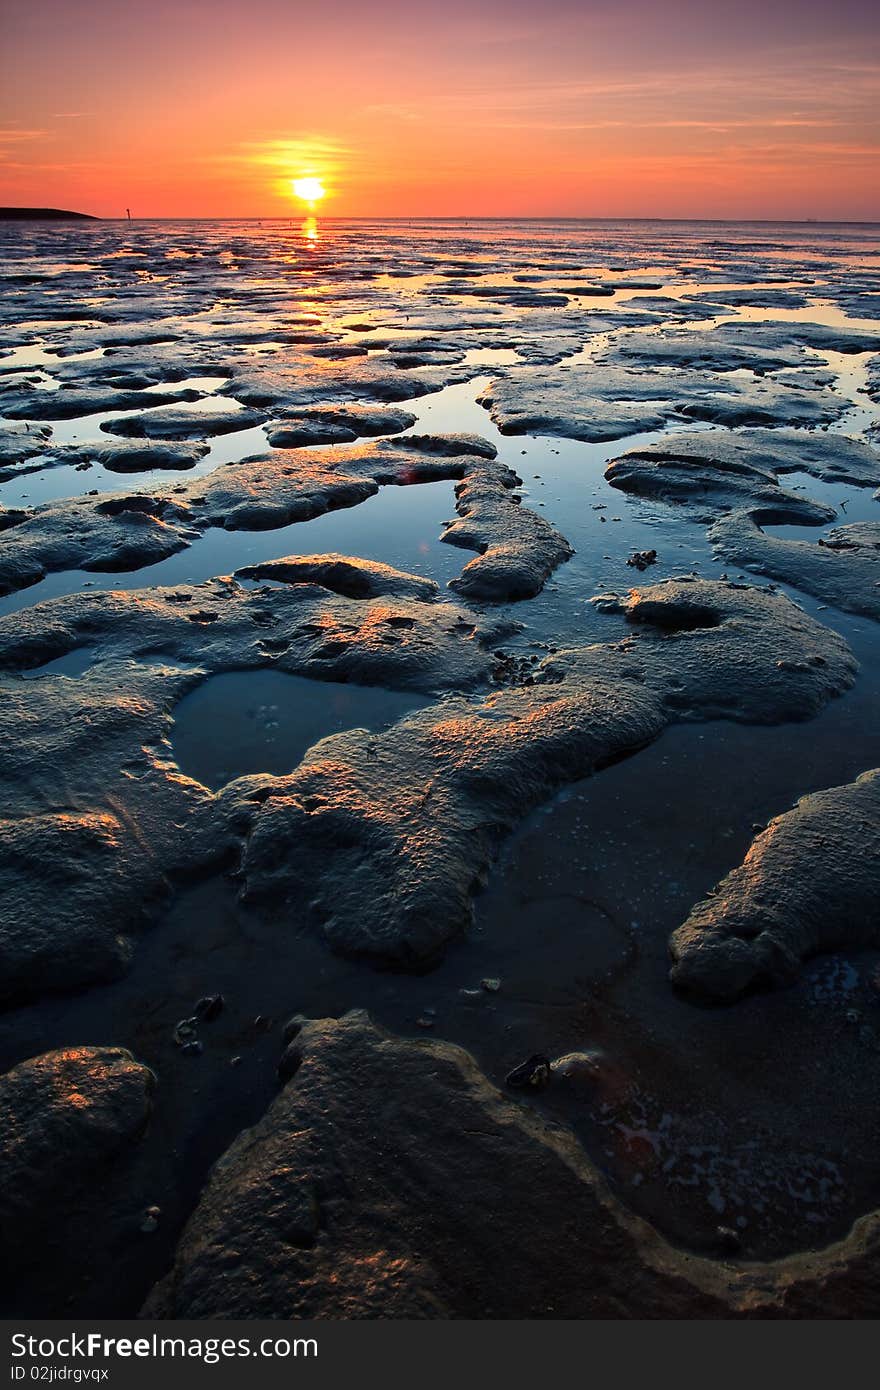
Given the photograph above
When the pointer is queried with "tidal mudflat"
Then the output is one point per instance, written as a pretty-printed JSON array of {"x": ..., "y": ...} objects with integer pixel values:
[{"x": 441, "y": 807}]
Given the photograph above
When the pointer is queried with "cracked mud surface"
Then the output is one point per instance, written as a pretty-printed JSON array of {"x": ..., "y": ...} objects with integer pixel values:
[{"x": 269, "y": 734}]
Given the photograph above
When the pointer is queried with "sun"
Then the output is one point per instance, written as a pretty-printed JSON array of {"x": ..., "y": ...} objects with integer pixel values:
[{"x": 310, "y": 190}]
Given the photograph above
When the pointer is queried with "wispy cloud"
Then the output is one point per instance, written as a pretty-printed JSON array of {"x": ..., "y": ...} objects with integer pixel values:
[
  {"x": 332, "y": 160},
  {"x": 819, "y": 93},
  {"x": 398, "y": 111},
  {"x": 719, "y": 126},
  {"x": 300, "y": 154},
  {"x": 53, "y": 167},
  {"x": 13, "y": 134}
]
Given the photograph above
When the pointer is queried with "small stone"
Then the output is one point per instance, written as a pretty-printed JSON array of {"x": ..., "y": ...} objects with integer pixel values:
[
  {"x": 491, "y": 985},
  {"x": 192, "y": 1049},
  {"x": 576, "y": 1066},
  {"x": 531, "y": 1075},
  {"x": 641, "y": 559},
  {"x": 184, "y": 1030},
  {"x": 209, "y": 1007}
]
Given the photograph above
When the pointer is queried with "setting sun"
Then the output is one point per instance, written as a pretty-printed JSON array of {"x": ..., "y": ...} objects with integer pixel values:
[{"x": 310, "y": 190}]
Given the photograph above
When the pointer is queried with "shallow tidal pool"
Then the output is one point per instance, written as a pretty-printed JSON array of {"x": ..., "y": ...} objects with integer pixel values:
[{"x": 264, "y": 721}]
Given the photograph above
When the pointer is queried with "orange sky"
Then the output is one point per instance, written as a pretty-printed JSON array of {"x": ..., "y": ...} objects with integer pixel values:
[{"x": 567, "y": 108}]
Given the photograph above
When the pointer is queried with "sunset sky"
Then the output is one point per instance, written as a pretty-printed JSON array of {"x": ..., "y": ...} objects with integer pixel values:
[{"x": 562, "y": 108}]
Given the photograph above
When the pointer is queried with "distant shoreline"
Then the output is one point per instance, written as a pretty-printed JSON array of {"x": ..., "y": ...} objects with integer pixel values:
[{"x": 45, "y": 215}]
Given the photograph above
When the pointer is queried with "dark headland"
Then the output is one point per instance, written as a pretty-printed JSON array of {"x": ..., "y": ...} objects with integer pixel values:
[{"x": 44, "y": 215}]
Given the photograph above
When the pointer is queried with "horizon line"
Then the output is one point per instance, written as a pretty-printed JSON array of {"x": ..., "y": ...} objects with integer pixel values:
[{"x": 477, "y": 217}]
